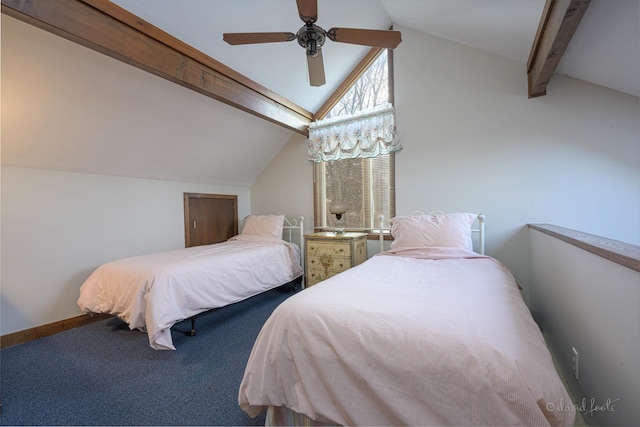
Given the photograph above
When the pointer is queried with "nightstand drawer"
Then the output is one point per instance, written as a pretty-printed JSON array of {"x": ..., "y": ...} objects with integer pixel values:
[
  {"x": 319, "y": 274},
  {"x": 328, "y": 249}
]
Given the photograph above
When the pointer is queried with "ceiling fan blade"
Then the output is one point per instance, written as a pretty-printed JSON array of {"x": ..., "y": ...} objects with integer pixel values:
[
  {"x": 308, "y": 10},
  {"x": 249, "y": 38},
  {"x": 377, "y": 38},
  {"x": 316, "y": 69}
]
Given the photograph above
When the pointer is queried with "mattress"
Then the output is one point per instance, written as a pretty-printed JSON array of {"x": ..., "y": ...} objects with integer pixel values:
[
  {"x": 417, "y": 337},
  {"x": 153, "y": 292}
]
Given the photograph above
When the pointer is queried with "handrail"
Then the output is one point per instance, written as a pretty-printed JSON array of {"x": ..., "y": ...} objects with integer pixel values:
[{"x": 625, "y": 254}]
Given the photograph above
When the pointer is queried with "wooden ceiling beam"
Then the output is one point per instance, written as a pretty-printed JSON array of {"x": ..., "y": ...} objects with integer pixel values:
[
  {"x": 558, "y": 23},
  {"x": 107, "y": 28}
]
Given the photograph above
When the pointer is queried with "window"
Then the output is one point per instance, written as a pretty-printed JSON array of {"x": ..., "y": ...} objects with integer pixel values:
[
  {"x": 370, "y": 90},
  {"x": 364, "y": 185}
]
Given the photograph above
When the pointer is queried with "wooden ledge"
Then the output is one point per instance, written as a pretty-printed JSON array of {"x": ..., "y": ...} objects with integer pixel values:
[{"x": 625, "y": 254}]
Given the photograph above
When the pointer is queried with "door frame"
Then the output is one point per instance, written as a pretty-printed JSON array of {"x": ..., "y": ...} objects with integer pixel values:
[{"x": 187, "y": 221}]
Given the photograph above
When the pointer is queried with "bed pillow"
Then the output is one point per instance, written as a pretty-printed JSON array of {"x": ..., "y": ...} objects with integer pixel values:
[
  {"x": 445, "y": 230},
  {"x": 263, "y": 225}
]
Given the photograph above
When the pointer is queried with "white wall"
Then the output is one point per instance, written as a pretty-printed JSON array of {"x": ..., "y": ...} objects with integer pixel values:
[
  {"x": 66, "y": 107},
  {"x": 57, "y": 227},
  {"x": 584, "y": 301},
  {"x": 286, "y": 186},
  {"x": 474, "y": 142}
]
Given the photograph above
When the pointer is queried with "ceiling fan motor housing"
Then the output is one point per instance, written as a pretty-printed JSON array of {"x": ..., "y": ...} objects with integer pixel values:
[{"x": 312, "y": 38}]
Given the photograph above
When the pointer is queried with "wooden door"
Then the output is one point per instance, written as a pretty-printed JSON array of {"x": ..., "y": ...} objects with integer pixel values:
[{"x": 209, "y": 218}]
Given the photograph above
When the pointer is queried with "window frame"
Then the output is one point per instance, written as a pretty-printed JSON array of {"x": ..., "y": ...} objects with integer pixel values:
[
  {"x": 319, "y": 195},
  {"x": 320, "y": 208}
]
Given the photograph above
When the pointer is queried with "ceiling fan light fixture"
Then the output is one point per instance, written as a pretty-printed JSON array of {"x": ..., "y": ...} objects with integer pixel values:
[{"x": 312, "y": 48}]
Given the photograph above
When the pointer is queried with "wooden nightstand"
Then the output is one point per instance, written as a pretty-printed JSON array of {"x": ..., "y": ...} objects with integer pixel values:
[{"x": 327, "y": 254}]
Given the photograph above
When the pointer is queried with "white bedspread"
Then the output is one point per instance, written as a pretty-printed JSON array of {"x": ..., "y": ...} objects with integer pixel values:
[
  {"x": 153, "y": 292},
  {"x": 400, "y": 340}
]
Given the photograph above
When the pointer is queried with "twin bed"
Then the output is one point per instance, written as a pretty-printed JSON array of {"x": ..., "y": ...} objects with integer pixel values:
[
  {"x": 426, "y": 333},
  {"x": 153, "y": 292}
]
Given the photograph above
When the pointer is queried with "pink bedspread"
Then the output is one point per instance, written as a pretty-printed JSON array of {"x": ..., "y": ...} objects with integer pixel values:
[
  {"x": 153, "y": 292},
  {"x": 408, "y": 340}
]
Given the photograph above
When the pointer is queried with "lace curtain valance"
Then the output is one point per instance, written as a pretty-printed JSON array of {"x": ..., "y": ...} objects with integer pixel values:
[{"x": 369, "y": 133}]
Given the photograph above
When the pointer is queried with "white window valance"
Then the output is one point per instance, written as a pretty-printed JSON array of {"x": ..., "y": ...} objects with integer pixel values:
[{"x": 368, "y": 133}]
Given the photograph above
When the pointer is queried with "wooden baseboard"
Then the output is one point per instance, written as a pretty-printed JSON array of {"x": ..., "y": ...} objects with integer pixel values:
[{"x": 20, "y": 337}]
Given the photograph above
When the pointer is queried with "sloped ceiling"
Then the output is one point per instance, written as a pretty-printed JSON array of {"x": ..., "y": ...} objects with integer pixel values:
[
  {"x": 605, "y": 50},
  {"x": 281, "y": 67},
  {"x": 69, "y": 108},
  {"x": 606, "y": 47},
  {"x": 234, "y": 147}
]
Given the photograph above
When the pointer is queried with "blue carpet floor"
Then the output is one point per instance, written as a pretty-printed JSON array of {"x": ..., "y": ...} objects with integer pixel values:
[{"x": 105, "y": 374}]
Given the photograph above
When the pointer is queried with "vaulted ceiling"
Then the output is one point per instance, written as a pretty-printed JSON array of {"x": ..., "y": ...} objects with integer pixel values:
[{"x": 604, "y": 50}]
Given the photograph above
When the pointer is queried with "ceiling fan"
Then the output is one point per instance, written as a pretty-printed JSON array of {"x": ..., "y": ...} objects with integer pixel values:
[{"x": 312, "y": 38}]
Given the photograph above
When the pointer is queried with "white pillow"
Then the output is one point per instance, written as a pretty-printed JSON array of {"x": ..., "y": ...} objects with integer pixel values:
[
  {"x": 263, "y": 225},
  {"x": 445, "y": 230}
]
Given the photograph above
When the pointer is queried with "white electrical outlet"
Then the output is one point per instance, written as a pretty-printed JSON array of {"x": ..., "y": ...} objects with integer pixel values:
[{"x": 574, "y": 362}]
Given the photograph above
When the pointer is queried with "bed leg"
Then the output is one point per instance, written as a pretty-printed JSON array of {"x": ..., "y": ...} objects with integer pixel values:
[{"x": 192, "y": 332}]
